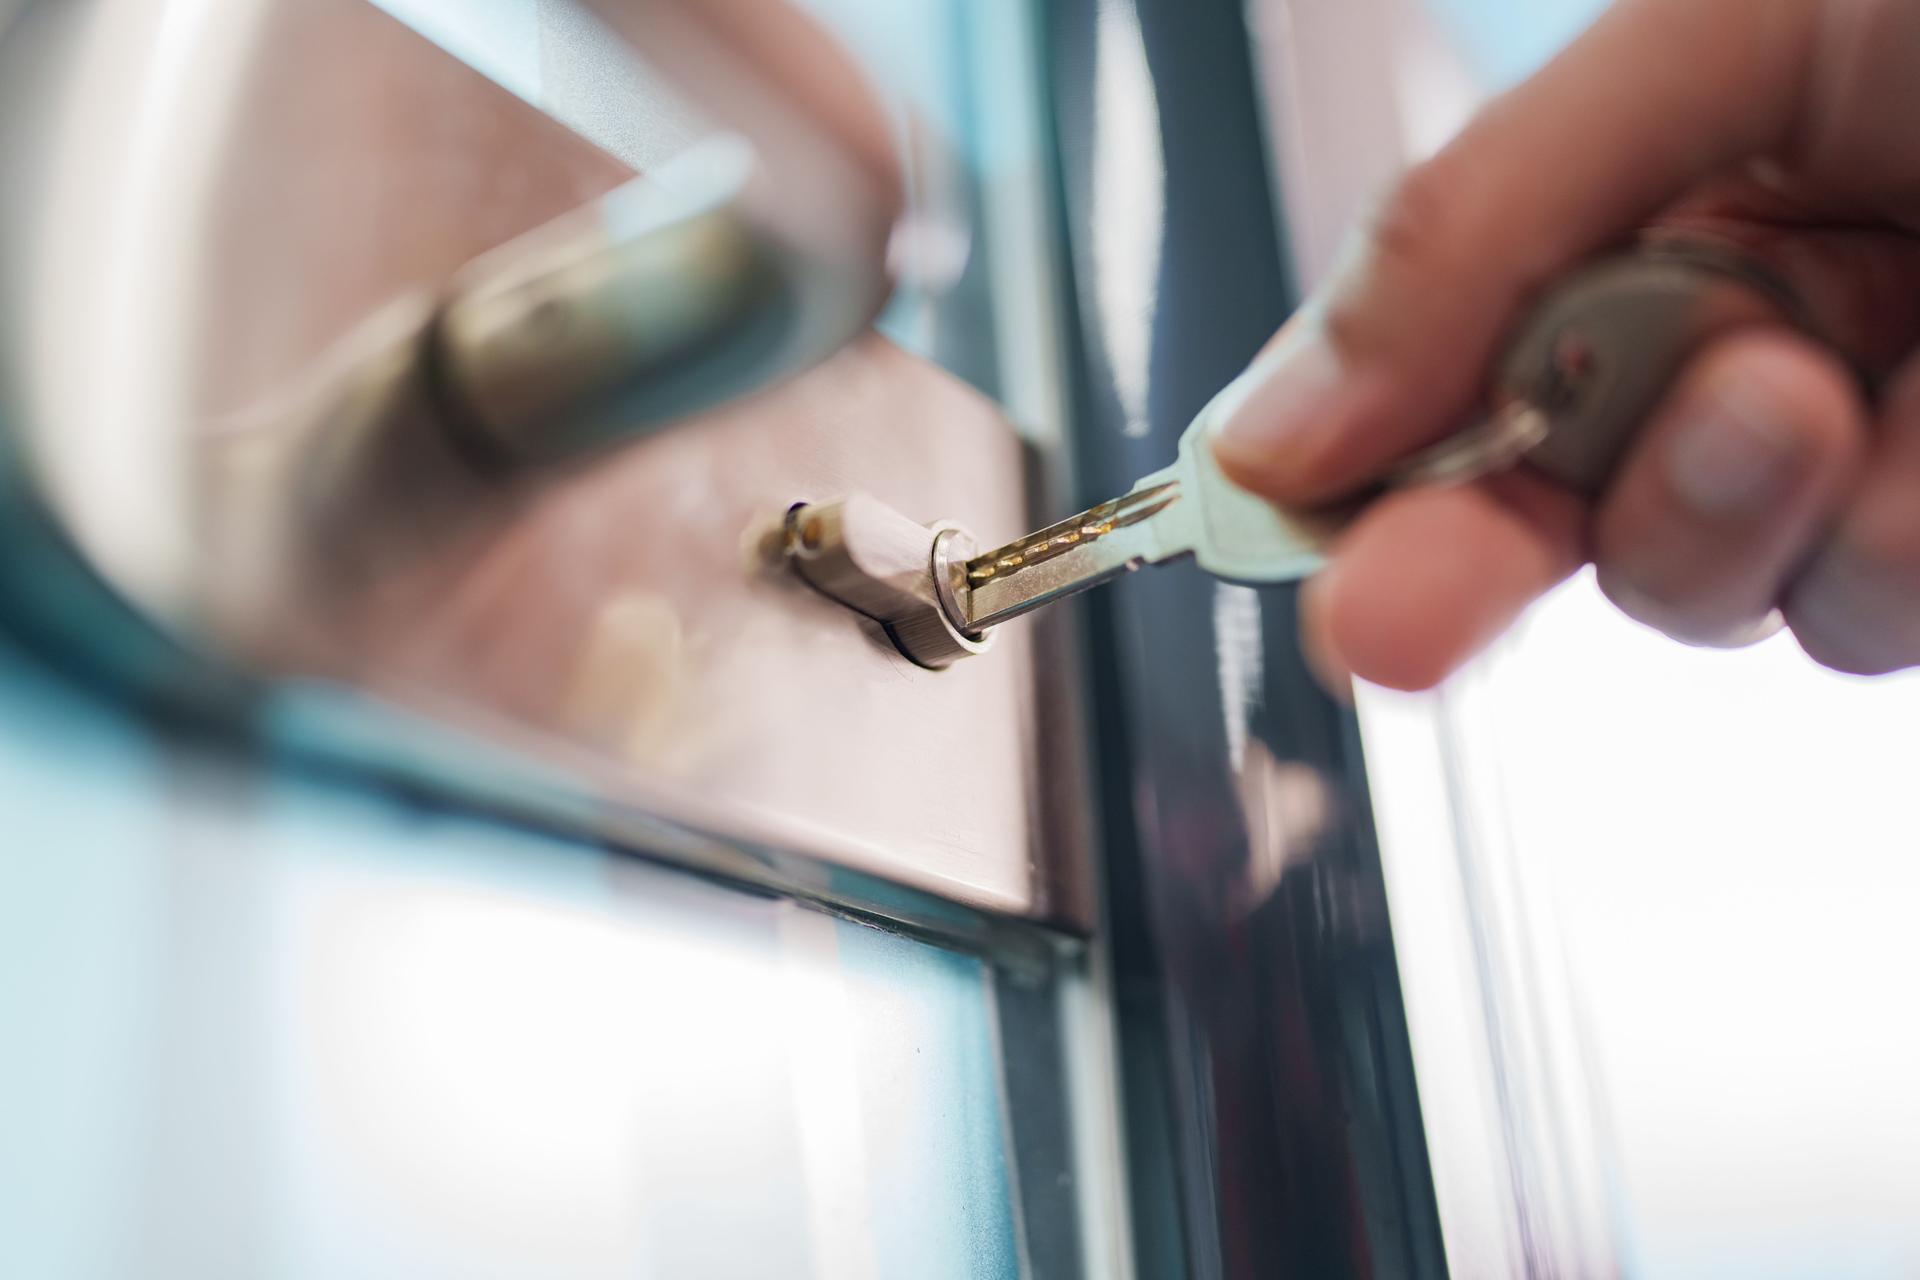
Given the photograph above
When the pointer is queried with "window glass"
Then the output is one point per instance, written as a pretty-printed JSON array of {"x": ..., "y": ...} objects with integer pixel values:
[
  {"x": 258, "y": 1025},
  {"x": 1727, "y": 844}
]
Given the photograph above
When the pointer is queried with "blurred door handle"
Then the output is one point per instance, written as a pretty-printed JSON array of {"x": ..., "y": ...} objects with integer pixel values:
[
  {"x": 660, "y": 299},
  {"x": 746, "y": 259}
]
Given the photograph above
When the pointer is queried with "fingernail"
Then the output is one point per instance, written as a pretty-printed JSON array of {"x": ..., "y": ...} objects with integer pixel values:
[
  {"x": 1737, "y": 457},
  {"x": 1279, "y": 410}
]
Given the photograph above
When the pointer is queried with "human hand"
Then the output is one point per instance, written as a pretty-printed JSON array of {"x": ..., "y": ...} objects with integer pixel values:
[{"x": 1764, "y": 487}]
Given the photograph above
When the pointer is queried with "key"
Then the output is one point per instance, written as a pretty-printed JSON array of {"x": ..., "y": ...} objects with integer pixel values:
[
  {"x": 1575, "y": 382},
  {"x": 1188, "y": 509}
]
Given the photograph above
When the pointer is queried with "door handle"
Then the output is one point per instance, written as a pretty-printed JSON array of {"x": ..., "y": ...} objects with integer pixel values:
[
  {"x": 659, "y": 300},
  {"x": 746, "y": 259}
]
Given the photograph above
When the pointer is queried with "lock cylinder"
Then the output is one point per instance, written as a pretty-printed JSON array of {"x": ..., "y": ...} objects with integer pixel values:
[{"x": 904, "y": 575}]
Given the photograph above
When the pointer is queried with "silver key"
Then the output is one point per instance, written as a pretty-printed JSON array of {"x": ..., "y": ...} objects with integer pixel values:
[
  {"x": 1187, "y": 509},
  {"x": 1570, "y": 390}
]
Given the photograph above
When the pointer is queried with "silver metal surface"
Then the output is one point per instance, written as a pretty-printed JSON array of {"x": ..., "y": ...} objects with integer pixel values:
[
  {"x": 1579, "y": 376},
  {"x": 1600, "y": 349},
  {"x": 250, "y": 231},
  {"x": 1495, "y": 443}
]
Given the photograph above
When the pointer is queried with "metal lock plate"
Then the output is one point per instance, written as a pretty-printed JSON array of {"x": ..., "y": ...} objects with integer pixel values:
[{"x": 614, "y": 625}]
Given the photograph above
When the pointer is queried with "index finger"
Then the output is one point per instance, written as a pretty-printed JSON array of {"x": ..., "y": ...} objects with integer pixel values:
[{"x": 1656, "y": 95}]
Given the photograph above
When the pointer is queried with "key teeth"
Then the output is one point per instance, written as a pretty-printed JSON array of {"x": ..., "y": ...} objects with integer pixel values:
[{"x": 1075, "y": 531}]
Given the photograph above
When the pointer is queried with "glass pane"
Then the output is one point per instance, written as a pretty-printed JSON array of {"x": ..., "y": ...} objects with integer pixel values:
[
  {"x": 261, "y": 1026},
  {"x": 1718, "y": 846}
]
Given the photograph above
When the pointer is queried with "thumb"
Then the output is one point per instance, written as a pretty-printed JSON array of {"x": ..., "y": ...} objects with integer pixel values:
[{"x": 1391, "y": 354}]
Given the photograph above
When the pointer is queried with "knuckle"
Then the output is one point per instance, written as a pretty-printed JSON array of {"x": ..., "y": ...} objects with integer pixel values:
[
  {"x": 1406, "y": 246},
  {"x": 1414, "y": 228}
]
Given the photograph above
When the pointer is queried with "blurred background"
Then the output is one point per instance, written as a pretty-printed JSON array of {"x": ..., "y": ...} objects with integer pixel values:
[
  {"x": 1650, "y": 956},
  {"x": 1725, "y": 841}
]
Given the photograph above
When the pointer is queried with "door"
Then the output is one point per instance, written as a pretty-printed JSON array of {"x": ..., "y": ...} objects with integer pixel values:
[{"x": 431, "y": 855}]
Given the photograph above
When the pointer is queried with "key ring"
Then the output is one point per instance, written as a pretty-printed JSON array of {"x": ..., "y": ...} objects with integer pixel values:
[{"x": 1597, "y": 354}]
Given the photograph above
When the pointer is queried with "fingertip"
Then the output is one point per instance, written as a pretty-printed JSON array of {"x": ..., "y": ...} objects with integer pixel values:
[
  {"x": 1375, "y": 637},
  {"x": 1855, "y": 605},
  {"x": 1426, "y": 579},
  {"x": 1303, "y": 424}
]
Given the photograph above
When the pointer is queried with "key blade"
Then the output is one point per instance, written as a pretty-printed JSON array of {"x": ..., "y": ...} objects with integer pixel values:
[
  {"x": 1081, "y": 551},
  {"x": 1188, "y": 509}
]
